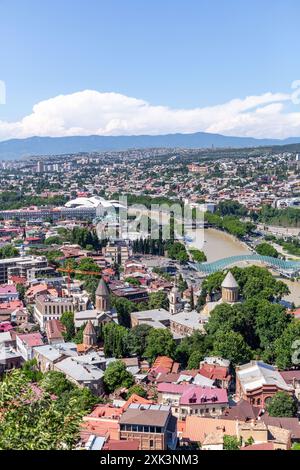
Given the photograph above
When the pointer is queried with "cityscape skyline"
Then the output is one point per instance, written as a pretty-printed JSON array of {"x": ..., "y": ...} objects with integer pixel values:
[{"x": 164, "y": 68}]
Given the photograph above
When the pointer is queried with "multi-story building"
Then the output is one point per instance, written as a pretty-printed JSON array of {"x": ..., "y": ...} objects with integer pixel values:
[
  {"x": 19, "y": 266},
  {"x": 26, "y": 344},
  {"x": 257, "y": 382},
  {"x": 153, "y": 426},
  {"x": 48, "y": 308},
  {"x": 186, "y": 400},
  {"x": 117, "y": 253}
]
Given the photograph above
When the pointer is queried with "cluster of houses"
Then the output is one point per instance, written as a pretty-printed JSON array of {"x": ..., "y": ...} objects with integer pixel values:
[
  {"x": 181, "y": 408},
  {"x": 196, "y": 409}
]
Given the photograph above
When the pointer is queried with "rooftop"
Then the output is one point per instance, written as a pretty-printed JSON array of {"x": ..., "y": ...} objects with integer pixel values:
[{"x": 256, "y": 374}]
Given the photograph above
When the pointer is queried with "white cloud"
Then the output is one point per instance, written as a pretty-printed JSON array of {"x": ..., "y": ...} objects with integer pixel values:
[{"x": 91, "y": 112}]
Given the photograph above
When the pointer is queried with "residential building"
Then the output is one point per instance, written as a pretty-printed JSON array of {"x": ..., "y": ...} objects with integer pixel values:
[
  {"x": 48, "y": 307},
  {"x": 26, "y": 344},
  {"x": 81, "y": 373},
  {"x": 189, "y": 399},
  {"x": 153, "y": 426}
]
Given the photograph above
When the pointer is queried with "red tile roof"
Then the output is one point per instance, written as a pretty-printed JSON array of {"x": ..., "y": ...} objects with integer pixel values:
[
  {"x": 32, "y": 339},
  {"x": 113, "y": 444},
  {"x": 263, "y": 446}
]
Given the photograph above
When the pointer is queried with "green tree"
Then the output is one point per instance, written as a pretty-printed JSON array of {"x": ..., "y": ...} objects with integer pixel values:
[
  {"x": 8, "y": 251},
  {"x": 232, "y": 346},
  {"x": 31, "y": 422},
  {"x": 117, "y": 376},
  {"x": 132, "y": 281},
  {"x": 137, "y": 339},
  {"x": 21, "y": 291},
  {"x": 198, "y": 256},
  {"x": 231, "y": 443},
  {"x": 55, "y": 382},
  {"x": 67, "y": 320},
  {"x": 158, "y": 299},
  {"x": 265, "y": 249},
  {"x": 124, "y": 308},
  {"x": 159, "y": 343},
  {"x": 31, "y": 371},
  {"x": 137, "y": 390},
  {"x": 282, "y": 405},
  {"x": 287, "y": 346},
  {"x": 115, "y": 340},
  {"x": 194, "y": 360}
]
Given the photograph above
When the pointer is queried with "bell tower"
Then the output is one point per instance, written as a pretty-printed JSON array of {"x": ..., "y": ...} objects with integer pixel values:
[
  {"x": 175, "y": 300},
  {"x": 102, "y": 297},
  {"x": 89, "y": 335}
]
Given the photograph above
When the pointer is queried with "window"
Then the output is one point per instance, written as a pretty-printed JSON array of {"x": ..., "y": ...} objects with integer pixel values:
[{"x": 151, "y": 443}]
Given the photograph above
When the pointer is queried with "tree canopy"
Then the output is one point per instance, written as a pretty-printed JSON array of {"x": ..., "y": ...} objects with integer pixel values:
[
  {"x": 117, "y": 376},
  {"x": 282, "y": 405}
]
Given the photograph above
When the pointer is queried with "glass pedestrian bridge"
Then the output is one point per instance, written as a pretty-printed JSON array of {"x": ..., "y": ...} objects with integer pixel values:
[{"x": 287, "y": 268}]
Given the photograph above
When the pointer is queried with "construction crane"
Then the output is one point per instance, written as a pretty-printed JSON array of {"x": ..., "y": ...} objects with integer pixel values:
[{"x": 70, "y": 271}]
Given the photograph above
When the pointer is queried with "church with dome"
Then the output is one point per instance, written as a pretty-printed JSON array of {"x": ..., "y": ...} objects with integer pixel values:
[
  {"x": 102, "y": 313},
  {"x": 230, "y": 294}
]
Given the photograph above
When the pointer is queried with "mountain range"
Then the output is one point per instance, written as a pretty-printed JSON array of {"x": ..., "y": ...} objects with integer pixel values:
[{"x": 36, "y": 146}]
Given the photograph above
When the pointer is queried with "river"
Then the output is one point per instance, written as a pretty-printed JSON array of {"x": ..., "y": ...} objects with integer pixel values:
[{"x": 217, "y": 245}]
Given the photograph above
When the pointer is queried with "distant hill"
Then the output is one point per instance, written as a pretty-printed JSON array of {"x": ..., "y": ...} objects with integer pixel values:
[{"x": 34, "y": 146}]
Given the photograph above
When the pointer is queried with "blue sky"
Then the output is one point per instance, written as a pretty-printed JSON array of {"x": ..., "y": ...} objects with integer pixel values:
[{"x": 181, "y": 54}]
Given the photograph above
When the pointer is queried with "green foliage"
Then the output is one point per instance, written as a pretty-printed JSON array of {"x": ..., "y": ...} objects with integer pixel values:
[
  {"x": 289, "y": 217},
  {"x": 230, "y": 224},
  {"x": 231, "y": 443},
  {"x": 137, "y": 390},
  {"x": 53, "y": 257},
  {"x": 159, "y": 342},
  {"x": 194, "y": 360},
  {"x": 115, "y": 340},
  {"x": 28, "y": 422},
  {"x": 265, "y": 249},
  {"x": 282, "y": 405},
  {"x": 67, "y": 319},
  {"x": 287, "y": 346},
  {"x": 254, "y": 282},
  {"x": 117, "y": 376},
  {"x": 232, "y": 346},
  {"x": 54, "y": 240},
  {"x": 177, "y": 251},
  {"x": 124, "y": 308},
  {"x": 10, "y": 200},
  {"x": 158, "y": 300},
  {"x": 31, "y": 372},
  {"x": 137, "y": 339},
  {"x": 198, "y": 256},
  {"x": 55, "y": 382},
  {"x": 8, "y": 251},
  {"x": 21, "y": 291},
  {"x": 231, "y": 208},
  {"x": 85, "y": 237},
  {"x": 194, "y": 346},
  {"x": 132, "y": 281}
]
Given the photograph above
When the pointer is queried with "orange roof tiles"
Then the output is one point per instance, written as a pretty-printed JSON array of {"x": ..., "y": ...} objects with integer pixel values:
[{"x": 197, "y": 428}]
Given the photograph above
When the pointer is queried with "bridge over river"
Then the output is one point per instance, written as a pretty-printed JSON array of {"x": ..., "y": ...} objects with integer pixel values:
[{"x": 286, "y": 268}]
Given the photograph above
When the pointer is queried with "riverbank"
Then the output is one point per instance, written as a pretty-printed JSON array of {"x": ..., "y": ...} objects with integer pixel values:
[{"x": 217, "y": 244}]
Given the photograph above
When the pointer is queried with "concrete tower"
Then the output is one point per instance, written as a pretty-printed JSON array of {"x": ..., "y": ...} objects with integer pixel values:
[
  {"x": 230, "y": 289},
  {"x": 89, "y": 335},
  {"x": 102, "y": 297}
]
